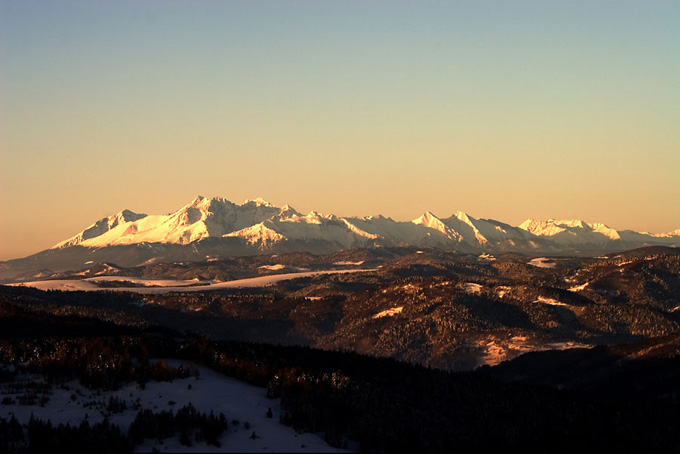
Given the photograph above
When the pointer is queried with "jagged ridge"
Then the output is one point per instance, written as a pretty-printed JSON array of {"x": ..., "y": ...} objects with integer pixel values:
[{"x": 261, "y": 225}]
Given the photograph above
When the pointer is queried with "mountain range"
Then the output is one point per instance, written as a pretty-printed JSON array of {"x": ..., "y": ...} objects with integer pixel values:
[{"x": 208, "y": 228}]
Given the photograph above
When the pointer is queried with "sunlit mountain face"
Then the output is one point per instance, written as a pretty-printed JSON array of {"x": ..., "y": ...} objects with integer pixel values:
[{"x": 209, "y": 228}]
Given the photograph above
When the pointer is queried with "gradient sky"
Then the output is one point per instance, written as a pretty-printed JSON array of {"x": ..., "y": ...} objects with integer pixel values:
[{"x": 505, "y": 110}]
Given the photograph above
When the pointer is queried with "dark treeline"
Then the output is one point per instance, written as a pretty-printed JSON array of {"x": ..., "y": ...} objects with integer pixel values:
[
  {"x": 105, "y": 363},
  {"x": 385, "y": 405},
  {"x": 191, "y": 426},
  {"x": 392, "y": 406},
  {"x": 39, "y": 436}
]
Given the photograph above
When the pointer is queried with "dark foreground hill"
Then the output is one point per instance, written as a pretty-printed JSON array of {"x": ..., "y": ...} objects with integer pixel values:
[{"x": 383, "y": 404}]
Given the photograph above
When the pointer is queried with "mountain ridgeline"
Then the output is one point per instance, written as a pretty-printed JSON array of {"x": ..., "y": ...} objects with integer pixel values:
[{"x": 209, "y": 228}]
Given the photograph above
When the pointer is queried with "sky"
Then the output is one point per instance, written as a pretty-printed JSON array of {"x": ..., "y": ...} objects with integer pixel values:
[{"x": 504, "y": 110}]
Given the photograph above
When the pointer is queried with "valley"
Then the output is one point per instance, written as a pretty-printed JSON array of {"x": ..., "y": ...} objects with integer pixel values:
[{"x": 437, "y": 308}]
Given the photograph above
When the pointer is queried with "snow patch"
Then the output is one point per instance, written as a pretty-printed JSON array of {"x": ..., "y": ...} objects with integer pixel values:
[
  {"x": 578, "y": 288},
  {"x": 389, "y": 312},
  {"x": 550, "y": 301},
  {"x": 472, "y": 288},
  {"x": 542, "y": 262},
  {"x": 155, "y": 286},
  {"x": 272, "y": 267},
  {"x": 502, "y": 290}
]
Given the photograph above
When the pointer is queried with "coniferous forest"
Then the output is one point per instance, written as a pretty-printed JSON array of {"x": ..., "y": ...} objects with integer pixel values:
[
  {"x": 390, "y": 391},
  {"x": 383, "y": 404}
]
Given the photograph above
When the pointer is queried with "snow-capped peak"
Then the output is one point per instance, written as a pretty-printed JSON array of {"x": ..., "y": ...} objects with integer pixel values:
[
  {"x": 571, "y": 223},
  {"x": 288, "y": 211},
  {"x": 430, "y": 220},
  {"x": 461, "y": 215},
  {"x": 606, "y": 231},
  {"x": 258, "y": 202},
  {"x": 258, "y": 234},
  {"x": 467, "y": 220},
  {"x": 541, "y": 228},
  {"x": 673, "y": 233},
  {"x": 260, "y": 223},
  {"x": 102, "y": 226},
  {"x": 314, "y": 217},
  {"x": 205, "y": 204},
  {"x": 571, "y": 231}
]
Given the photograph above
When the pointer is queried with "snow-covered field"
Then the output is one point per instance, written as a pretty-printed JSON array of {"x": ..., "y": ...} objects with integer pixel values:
[
  {"x": 212, "y": 391},
  {"x": 166, "y": 285},
  {"x": 542, "y": 262}
]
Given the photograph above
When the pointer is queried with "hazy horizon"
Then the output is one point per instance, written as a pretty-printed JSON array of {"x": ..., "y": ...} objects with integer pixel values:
[{"x": 503, "y": 111}]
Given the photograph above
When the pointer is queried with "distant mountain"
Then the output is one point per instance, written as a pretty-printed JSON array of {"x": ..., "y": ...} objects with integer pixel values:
[
  {"x": 215, "y": 227},
  {"x": 202, "y": 218}
]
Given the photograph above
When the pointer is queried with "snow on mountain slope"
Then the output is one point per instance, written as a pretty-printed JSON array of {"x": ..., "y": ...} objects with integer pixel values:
[
  {"x": 259, "y": 235},
  {"x": 572, "y": 232},
  {"x": 202, "y": 218},
  {"x": 317, "y": 227},
  {"x": 260, "y": 226},
  {"x": 674, "y": 233},
  {"x": 542, "y": 228},
  {"x": 102, "y": 226},
  {"x": 431, "y": 221},
  {"x": 386, "y": 228},
  {"x": 467, "y": 229},
  {"x": 291, "y": 225}
]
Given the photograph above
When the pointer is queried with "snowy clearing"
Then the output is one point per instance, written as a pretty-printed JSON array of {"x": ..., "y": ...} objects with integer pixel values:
[
  {"x": 542, "y": 262},
  {"x": 389, "y": 312},
  {"x": 578, "y": 288},
  {"x": 211, "y": 392},
  {"x": 472, "y": 288},
  {"x": 155, "y": 286},
  {"x": 550, "y": 301},
  {"x": 272, "y": 267}
]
